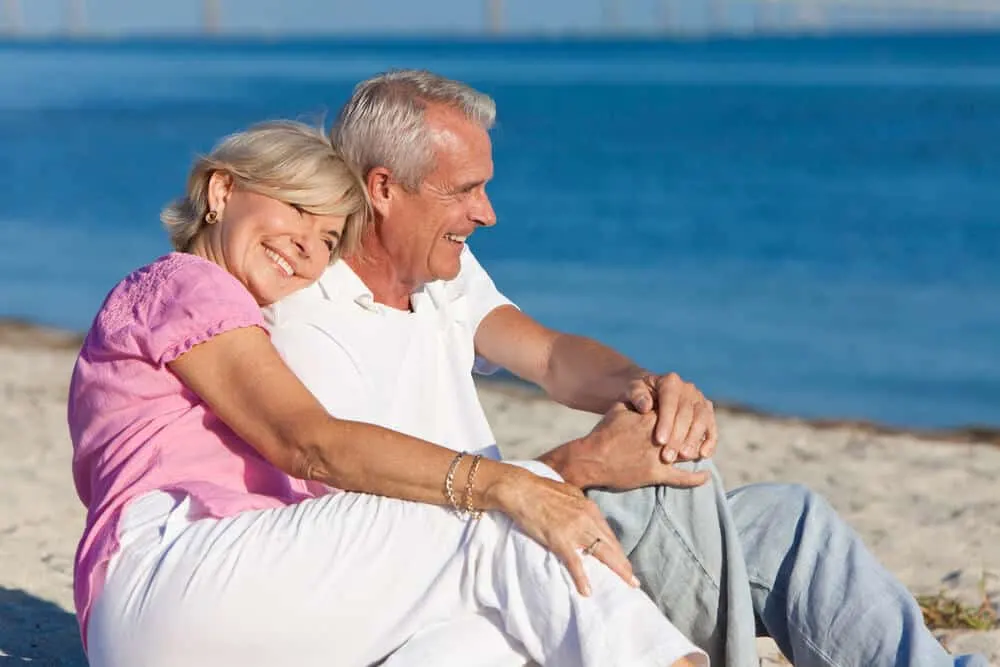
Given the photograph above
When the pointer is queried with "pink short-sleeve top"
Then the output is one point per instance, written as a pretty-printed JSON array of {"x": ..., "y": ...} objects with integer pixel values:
[{"x": 137, "y": 428}]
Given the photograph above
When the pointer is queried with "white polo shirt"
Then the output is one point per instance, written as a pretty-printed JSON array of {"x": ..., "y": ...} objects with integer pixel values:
[{"x": 407, "y": 371}]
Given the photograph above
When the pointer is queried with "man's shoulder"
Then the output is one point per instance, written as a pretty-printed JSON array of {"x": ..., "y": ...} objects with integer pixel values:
[
  {"x": 334, "y": 292},
  {"x": 469, "y": 274},
  {"x": 300, "y": 305}
]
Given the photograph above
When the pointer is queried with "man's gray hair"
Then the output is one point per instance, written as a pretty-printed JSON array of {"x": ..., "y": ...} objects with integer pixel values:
[{"x": 382, "y": 124}]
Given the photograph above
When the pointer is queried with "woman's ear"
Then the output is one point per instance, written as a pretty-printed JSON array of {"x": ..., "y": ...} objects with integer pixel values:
[
  {"x": 379, "y": 184},
  {"x": 220, "y": 187}
]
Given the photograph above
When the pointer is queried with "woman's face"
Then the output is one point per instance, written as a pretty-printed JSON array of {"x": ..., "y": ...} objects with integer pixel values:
[{"x": 271, "y": 247}]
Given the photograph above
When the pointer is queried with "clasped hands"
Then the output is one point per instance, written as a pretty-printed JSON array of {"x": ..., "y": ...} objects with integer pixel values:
[
  {"x": 685, "y": 420},
  {"x": 659, "y": 421}
]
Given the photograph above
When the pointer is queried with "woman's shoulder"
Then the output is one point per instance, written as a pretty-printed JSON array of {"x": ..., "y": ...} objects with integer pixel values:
[
  {"x": 174, "y": 292},
  {"x": 172, "y": 277},
  {"x": 168, "y": 270}
]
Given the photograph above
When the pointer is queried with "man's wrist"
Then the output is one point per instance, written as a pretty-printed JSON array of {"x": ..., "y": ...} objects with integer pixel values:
[
  {"x": 574, "y": 468},
  {"x": 632, "y": 375}
]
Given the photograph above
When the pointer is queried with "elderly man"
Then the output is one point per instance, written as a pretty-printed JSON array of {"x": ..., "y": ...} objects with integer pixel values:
[{"x": 393, "y": 335}]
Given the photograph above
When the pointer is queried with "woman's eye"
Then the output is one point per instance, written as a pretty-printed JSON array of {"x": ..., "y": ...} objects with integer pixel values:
[{"x": 331, "y": 244}]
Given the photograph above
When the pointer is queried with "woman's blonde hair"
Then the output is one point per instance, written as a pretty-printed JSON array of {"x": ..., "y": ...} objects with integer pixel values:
[{"x": 289, "y": 161}]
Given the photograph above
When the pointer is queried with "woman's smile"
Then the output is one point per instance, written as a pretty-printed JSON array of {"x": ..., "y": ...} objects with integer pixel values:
[{"x": 279, "y": 260}]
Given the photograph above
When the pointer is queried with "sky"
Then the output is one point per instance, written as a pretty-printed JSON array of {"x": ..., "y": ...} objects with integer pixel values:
[{"x": 380, "y": 16}]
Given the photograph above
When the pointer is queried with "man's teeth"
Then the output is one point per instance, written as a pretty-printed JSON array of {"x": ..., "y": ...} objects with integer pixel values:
[
  {"x": 280, "y": 261},
  {"x": 456, "y": 238}
]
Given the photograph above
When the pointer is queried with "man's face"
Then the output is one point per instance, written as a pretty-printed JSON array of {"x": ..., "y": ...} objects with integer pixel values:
[{"x": 425, "y": 231}]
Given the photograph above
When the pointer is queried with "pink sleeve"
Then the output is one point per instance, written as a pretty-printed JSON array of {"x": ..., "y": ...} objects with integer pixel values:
[{"x": 193, "y": 303}]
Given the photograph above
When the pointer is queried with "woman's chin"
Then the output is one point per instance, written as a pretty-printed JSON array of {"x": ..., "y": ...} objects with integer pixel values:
[{"x": 265, "y": 295}]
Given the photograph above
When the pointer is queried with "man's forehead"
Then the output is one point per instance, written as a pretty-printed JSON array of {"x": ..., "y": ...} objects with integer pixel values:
[
  {"x": 459, "y": 142},
  {"x": 450, "y": 128}
]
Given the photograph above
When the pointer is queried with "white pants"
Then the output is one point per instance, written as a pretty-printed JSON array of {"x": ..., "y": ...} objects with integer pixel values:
[{"x": 346, "y": 579}]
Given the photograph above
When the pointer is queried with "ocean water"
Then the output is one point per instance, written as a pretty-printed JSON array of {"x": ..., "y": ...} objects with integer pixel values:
[{"x": 806, "y": 226}]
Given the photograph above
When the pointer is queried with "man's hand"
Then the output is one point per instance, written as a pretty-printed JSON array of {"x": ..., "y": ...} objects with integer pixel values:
[
  {"x": 619, "y": 453},
  {"x": 685, "y": 419}
]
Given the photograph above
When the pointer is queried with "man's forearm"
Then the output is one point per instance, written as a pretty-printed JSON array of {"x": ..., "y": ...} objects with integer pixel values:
[{"x": 586, "y": 375}]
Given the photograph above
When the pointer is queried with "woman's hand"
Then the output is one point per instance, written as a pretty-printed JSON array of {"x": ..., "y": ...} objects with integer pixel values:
[{"x": 559, "y": 517}]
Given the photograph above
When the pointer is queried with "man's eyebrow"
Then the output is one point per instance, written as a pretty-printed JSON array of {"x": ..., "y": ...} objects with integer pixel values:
[{"x": 469, "y": 185}]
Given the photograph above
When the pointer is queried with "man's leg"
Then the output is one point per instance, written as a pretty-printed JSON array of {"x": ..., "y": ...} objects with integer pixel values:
[
  {"x": 685, "y": 549},
  {"x": 820, "y": 593}
]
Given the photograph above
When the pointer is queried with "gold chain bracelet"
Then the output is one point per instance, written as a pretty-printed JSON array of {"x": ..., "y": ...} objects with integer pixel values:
[
  {"x": 473, "y": 512},
  {"x": 449, "y": 482}
]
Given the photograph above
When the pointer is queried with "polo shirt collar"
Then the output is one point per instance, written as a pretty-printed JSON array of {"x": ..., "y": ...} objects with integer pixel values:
[{"x": 340, "y": 282}]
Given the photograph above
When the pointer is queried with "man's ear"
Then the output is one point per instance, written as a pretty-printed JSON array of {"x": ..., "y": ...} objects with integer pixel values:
[
  {"x": 379, "y": 184},
  {"x": 220, "y": 187}
]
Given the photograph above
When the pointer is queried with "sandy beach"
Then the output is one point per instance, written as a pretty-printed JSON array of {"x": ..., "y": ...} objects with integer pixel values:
[{"x": 928, "y": 506}]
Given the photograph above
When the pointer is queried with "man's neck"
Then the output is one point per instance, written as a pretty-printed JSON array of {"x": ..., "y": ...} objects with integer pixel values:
[{"x": 375, "y": 269}]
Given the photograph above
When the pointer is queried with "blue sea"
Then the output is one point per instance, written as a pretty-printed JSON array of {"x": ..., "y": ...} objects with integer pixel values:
[{"x": 806, "y": 226}]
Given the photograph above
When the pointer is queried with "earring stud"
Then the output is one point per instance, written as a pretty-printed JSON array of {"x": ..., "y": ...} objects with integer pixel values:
[{"x": 211, "y": 217}]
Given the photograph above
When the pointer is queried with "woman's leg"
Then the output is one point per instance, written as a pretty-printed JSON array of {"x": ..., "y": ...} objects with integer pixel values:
[{"x": 347, "y": 578}]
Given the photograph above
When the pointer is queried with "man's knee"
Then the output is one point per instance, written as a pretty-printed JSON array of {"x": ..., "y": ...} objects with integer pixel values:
[
  {"x": 776, "y": 517},
  {"x": 775, "y": 499}
]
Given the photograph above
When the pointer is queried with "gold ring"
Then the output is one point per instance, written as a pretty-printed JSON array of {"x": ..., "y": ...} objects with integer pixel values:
[{"x": 592, "y": 548}]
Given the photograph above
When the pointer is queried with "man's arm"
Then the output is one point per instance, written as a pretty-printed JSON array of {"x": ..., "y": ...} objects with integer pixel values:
[{"x": 584, "y": 374}]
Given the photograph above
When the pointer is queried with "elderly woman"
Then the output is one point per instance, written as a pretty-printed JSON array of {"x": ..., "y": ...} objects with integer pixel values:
[{"x": 215, "y": 532}]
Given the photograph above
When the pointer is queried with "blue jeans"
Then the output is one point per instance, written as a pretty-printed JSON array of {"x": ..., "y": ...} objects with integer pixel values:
[{"x": 775, "y": 557}]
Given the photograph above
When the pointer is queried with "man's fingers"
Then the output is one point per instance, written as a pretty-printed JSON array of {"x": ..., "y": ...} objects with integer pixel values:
[
  {"x": 708, "y": 447},
  {"x": 682, "y": 426},
  {"x": 698, "y": 433},
  {"x": 684, "y": 479},
  {"x": 668, "y": 397},
  {"x": 641, "y": 399}
]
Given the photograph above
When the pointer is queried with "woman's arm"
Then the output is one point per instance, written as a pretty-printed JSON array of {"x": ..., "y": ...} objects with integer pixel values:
[{"x": 241, "y": 377}]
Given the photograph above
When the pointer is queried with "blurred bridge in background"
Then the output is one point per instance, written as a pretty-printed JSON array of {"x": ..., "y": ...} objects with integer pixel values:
[{"x": 667, "y": 17}]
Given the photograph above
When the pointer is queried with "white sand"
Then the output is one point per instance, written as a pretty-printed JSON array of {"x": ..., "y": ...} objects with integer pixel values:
[{"x": 929, "y": 509}]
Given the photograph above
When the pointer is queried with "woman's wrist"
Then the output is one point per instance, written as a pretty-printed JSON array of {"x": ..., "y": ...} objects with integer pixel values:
[{"x": 497, "y": 486}]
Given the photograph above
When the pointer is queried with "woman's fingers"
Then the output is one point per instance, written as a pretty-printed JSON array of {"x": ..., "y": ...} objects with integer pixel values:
[
  {"x": 609, "y": 550},
  {"x": 572, "y": 527},
  {"x": 611, "y": 554},
  {"x": 600, "y": 542},
  {"x": 605, "y": 549},
  {"x": 574, "y": 564}
]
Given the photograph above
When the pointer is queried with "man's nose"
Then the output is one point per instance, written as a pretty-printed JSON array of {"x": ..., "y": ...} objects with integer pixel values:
[{"x": 483, "y": 212}]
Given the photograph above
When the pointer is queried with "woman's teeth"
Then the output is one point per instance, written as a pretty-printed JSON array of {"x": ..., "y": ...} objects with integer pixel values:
[
  {"x": 280, "y": 261},
  {"x": 455, "y": 238}
]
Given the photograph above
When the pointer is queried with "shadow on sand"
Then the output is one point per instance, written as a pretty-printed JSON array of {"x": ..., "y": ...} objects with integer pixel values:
[{"x": 37, "y": 632}]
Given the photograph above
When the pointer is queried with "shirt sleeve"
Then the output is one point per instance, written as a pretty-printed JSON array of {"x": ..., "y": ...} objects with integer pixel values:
[
  {"x": 481, "y": 297},
  {"x": 196, "y": 301},
  {"x": 480, "y": 292}
]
